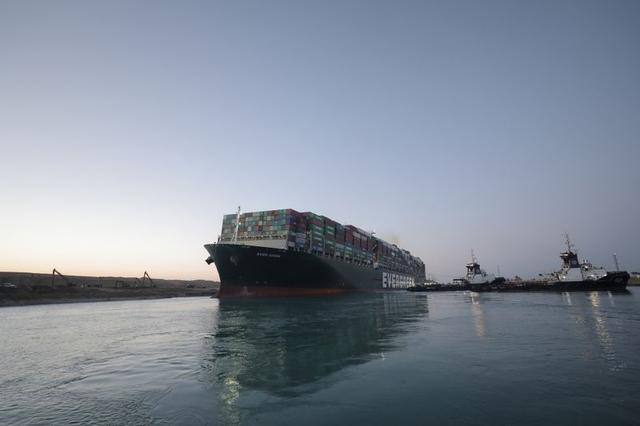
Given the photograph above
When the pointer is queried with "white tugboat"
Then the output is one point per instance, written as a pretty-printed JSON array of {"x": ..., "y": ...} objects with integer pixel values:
[
  {"x": 583, "y": 274},
  {"x": 476, "y": 276}
]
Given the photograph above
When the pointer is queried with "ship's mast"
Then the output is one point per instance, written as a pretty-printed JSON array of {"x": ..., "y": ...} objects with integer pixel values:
[
  {"x": 568, "y": 241},
  {"x": 615, "y": 260},
  {"x": 235, "y": 234},
  {"x": 570, "y": 257},
  {"x": 473, "y": 257}
]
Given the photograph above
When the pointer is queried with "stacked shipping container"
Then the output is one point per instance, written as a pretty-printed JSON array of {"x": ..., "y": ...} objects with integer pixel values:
[
  {"x": 320, "y": 235},
  {"x": 284, "y": 224}
]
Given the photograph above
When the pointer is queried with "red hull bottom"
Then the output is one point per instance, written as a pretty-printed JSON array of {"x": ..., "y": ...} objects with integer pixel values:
[{"x": 254, "y": 291}]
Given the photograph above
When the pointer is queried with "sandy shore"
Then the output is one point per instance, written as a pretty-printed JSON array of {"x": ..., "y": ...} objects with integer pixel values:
[
  {"x": 23, "y": 297},
  {"x": 24, "y": 288}
]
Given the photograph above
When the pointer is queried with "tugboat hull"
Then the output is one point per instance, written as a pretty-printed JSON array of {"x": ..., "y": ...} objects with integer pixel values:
[{"x": 613, "y": 281}]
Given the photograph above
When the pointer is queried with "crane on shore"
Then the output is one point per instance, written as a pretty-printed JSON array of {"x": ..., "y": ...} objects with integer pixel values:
[
  {"x": 66, "y": 280},
  {"x": 148, "y": 278},
  {"x": 137, "y": 282}
]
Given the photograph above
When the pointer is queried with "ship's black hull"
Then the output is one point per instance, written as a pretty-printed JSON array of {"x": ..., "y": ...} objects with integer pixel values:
[
  {"x": 613, "y": 281},
  {"x": 258, "y": 271}
]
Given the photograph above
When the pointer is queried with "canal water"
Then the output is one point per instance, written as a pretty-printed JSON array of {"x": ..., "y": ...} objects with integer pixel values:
[{"x": 395, "y": 358}]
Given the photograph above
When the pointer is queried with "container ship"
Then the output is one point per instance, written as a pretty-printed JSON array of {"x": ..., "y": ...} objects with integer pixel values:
[{"x": 288, "y": 253}]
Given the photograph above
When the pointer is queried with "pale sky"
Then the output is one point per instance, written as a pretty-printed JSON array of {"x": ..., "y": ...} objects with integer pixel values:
[{"x": 127, "y": 129}]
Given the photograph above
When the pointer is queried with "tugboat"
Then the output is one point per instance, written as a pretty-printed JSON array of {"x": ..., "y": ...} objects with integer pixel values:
[
  {"x": 576, "y": 275},
  {"x": 476, "y": 277}
]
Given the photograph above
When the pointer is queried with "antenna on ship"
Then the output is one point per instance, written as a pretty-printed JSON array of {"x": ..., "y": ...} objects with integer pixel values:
[
  {"x": 473, "y": 257},
  {"x": 568, "y": 241},
  {"x": 615, "y": 261},
  {"x": 235, "y": 234}
]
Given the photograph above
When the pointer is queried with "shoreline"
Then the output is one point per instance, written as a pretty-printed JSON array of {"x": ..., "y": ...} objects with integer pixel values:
[
  {"x": 66, "y": 300},
  {"x": 25, "y": 288}
]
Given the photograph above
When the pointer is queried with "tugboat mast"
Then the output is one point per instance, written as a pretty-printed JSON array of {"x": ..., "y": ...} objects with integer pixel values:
[
  {"x": 570, "y": 257},
  {"x": 568, "y": 242}
]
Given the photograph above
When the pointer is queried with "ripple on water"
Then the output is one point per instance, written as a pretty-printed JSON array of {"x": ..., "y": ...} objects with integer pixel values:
[{"x": 374, "y": 359}]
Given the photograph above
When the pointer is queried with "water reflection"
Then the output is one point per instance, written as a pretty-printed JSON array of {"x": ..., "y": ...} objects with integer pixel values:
[
  {"x": 604, "y": 337},
  {"x": 590, "y": 319},
  {"x": 290, "y": 347},
  {"x": 478, "y": 313}
]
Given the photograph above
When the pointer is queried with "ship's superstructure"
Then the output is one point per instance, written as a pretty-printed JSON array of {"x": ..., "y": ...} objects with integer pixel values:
[
  {"x": 575, "y": 271},
  {"x": 284, "y": 252},
  {"x": 477, "y": 275}
]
